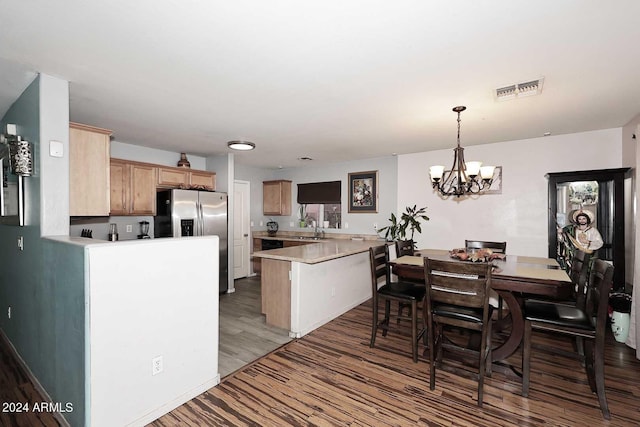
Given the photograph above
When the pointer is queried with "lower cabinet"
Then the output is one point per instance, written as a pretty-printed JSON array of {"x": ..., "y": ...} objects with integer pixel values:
[{"x": 133, "y": 188}]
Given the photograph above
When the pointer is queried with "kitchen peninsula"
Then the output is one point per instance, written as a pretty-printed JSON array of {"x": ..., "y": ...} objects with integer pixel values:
[{"x": 304, "y": 287}]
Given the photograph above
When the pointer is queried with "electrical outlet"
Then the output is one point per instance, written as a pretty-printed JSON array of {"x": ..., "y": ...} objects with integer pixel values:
[
  {"x": 345, "y": 225},
  {"x": 129, "y": 228},
  {"x": 21, "y": 243},
  {"x": 375, "y": 226},
  {"x": 9, "y": 312},
  {"x": 156, "y": 365},
  {"x": 333, "y": 291}
]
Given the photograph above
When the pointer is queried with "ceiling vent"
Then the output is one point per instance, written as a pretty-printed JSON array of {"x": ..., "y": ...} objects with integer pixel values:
[{"x": 519, "y": 90}]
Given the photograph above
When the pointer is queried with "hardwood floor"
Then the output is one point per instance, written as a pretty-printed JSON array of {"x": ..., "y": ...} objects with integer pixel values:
[
  {"x": 332, "y": 377},
  {"x": 244, "y": 336}
]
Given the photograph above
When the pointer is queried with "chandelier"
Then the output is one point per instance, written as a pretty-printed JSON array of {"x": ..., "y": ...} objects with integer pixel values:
[{"x": 463, "y": 178}]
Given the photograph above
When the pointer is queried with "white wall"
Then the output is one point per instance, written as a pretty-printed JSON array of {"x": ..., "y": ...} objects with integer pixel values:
[
  {"x": 519, "y": 214},
  {"x": 359, "y": 223},
  {"x": 54, "y": 126},
  {"x": 121, "y": 150},
  {"x": 150, "y": 298}
]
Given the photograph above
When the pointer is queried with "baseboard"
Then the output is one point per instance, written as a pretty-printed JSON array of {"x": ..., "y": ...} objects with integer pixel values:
[
  {"x": 58, "y": 416},
  {"x": 173, "y": 404}
]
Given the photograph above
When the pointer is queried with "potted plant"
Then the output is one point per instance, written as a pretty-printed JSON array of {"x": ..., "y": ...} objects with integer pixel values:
[
  {"x": 409, "y": 223},
  {"x": 302, "y": 215}
]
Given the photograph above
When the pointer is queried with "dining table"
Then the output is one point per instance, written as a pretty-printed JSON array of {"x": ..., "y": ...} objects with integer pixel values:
[{"x": 514, "y": 277}]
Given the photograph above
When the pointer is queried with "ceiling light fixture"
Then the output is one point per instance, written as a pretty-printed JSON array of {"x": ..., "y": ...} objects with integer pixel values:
[
  {"x": 241, "y": 145},
  {"x": 463, "y": 178}
]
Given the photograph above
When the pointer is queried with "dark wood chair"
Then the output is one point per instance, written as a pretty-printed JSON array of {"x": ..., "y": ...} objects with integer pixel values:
[
  {"x": 383, "y": 289},
  {"x": 458, "y": 296},
  {"x": 404, "y": 247},
  {"x": 588, "y": 323},
  {"x": 497, "y": 247}
]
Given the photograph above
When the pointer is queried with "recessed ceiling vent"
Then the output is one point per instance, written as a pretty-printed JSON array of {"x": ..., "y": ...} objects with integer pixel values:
[{"x": 519, "y": 90}]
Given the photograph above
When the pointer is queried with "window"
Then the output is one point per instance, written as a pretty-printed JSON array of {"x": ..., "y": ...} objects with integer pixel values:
[{"x": 322, "y": 213}]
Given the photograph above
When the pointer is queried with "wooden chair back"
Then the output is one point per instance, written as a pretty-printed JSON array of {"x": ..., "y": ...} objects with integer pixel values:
[
  {"x": 579, "y": 275},
  {"x": 457, "y": 283},
  {"x": 379, "y": 256},
  {"x": 597, "y": 298},
  {"x": 404, "y": 247},
  {"x": 497, "y": 247}
]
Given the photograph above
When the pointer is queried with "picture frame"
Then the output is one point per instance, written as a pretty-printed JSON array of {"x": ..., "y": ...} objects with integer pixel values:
[{"x": 363, "y": 192}]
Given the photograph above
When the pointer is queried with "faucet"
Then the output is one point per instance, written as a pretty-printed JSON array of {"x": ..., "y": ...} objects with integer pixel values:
[{"x": 316, "y": 233}]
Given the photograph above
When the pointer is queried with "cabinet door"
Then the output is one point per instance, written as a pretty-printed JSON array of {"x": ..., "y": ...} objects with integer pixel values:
[
  {"x": 88, "y": 170},
  {"x": 143, "y": 189},
  {"x": 276, "y": 197},
  {"x": 257, "y": 264},
  {"x": 173, "y": 177},
  {"x": 119, "y": 173},
  {"x": 202, "y": 179}
]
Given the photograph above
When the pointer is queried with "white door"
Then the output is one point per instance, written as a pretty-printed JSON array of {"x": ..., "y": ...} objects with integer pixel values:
[{"x": 241, "y": 229}]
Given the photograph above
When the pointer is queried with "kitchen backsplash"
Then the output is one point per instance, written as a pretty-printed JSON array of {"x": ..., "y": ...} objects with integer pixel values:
[{"x": 100, "y": 226}]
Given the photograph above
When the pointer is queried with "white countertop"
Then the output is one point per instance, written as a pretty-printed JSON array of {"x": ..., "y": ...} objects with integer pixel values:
[{"x": 322, "y": 251}]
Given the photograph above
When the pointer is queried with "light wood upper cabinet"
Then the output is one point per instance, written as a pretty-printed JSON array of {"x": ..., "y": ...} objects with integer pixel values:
[
  {"x": 133, "y": 188},
  {"x": 170, "y": 177},
  {"x": 276, "y": 197},
  {"x": 202, "y": 180},
  {"x": 88, "y": 170}
]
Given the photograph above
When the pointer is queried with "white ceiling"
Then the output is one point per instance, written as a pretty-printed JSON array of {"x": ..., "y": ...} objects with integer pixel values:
[{"x": 331, "y": 80}]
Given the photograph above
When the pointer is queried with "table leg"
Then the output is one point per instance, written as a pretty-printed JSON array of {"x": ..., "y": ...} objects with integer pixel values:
[{"x": 512, "y": 343}]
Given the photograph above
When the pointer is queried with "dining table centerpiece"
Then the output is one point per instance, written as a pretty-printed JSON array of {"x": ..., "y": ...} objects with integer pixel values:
[{"x": 475, "y": 255}]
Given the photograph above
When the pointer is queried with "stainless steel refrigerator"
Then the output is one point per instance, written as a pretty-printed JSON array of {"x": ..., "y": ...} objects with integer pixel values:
[{"x": 194, "y": 213}]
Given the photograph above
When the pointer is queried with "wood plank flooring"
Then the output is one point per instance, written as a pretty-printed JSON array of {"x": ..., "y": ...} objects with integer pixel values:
[
  {"x": 332, "y": 377},
  {"x": 244, "y": 336}
]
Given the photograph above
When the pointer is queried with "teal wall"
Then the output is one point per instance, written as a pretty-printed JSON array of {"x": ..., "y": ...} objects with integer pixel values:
[{"x": 44, "y": 283}]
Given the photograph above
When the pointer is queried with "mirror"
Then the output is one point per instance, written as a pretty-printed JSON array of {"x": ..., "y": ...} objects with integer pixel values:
[
  {"x": 602, "y": 192},
  {"x": 11, "y": 203}
]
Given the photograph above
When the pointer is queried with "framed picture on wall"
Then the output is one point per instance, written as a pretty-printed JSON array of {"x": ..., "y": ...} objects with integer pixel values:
[{"x": 363, "y": 192}]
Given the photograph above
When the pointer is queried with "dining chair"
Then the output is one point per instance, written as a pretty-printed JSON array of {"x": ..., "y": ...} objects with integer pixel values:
[
  {"x": 383, "y": 289},
  {"x": 497, "y": 247},
  {"x": 589, "y": 323},
  {"x": 579, "y": 275},
  {"x": 404, "y": 247},
  {"x": 458, "y": 296}
]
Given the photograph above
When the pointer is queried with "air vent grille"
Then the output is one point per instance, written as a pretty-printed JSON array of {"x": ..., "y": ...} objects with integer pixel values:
[{"x": 519, "y": 90}]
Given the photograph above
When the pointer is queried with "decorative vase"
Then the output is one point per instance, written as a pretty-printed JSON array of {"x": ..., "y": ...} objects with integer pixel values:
[
  {"x": 620, "y": 325},
  {"x": 183, "y": 162}
]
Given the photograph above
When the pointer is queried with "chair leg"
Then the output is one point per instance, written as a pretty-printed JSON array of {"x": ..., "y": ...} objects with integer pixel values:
[
  {"x": 499, "y": 307},
  {"x": 387, "y": 309},
  {"x": 432, "y": 352},
  {"x": 594, "y": 361},
  {"x": 489, "y": 350},
  {"x": 599, "y": 374},
  {"x": 526, "y": 358},
  {"x": 374, "y": 325},
  {"x": 580, "y": 349},
  {"x": 414, "y": 331}
]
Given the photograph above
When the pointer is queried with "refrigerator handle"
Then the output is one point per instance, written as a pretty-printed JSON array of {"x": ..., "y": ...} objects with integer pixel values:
[{"x": 200, "y": 220}]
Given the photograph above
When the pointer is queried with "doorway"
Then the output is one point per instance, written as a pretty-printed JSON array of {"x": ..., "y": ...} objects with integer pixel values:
[{"x": 241, "y": 228}]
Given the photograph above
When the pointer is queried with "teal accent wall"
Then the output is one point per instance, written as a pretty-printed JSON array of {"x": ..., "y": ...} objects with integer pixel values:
[{"x": 44, "y": 283}]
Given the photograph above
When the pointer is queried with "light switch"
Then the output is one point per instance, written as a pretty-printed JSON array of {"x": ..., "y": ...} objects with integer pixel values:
[{"x": 56, "y": 149}]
